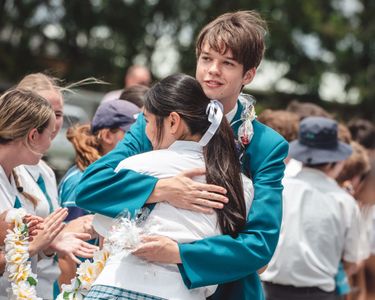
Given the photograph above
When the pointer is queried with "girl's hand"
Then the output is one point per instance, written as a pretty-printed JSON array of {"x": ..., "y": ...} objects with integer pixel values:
[
  {"x": 34, "y": 224},
  {"x": 82, "y": 224},
  {"x": 69, "y": 244},
  {"x": 183, "y": 192},
  {"x": 52, "y": 226},
  {"x": 4, "y": 226},
  {"x": 159, "y": 249}
]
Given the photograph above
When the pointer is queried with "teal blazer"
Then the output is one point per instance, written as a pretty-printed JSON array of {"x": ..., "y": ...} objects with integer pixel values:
[{"x": 230, "y": 262}]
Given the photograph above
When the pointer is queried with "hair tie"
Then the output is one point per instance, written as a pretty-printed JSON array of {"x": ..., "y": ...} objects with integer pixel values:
[{"x": 214, "y": 112}]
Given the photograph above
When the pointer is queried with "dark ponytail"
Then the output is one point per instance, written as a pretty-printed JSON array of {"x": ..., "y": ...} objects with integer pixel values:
[
  {"x": 223, "y": 168},
  {"x": 183, "y": 94}
]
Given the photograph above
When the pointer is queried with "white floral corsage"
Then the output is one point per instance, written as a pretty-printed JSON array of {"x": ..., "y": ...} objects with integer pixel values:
[
  {"x": 124, "y": 236},
  {"x": 246, "y": 130},
  {"x": 18, "y": 265}
]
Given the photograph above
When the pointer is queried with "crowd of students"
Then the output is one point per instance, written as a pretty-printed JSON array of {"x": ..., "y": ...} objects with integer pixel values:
[
  {"x": 327, "y": 234},
  {"x": 309, "y": 234}
]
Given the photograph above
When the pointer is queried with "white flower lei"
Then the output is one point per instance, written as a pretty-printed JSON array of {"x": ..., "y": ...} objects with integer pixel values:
[
  {"x": 87, "y": 273},
  {"x": 124, "y": 236},
  {"x": 18, "y": 264}
]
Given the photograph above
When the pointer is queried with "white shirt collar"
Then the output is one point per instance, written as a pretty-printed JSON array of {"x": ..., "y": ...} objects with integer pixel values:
[
  {"x": 186, "y": 146},
  {"x": 318, "y": 177},
  {"x": 230, "y": 115}
]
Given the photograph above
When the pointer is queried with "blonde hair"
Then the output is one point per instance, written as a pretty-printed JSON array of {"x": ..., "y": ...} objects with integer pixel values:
[
  {"x": 86, "y": 144},
  {"x": 28, "y": 196},
  {"x": 40, "y": 82},
  {"x": 20, "y": 112}
]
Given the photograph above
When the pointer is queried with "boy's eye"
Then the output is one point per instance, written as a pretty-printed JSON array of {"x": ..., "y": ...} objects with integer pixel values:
[
  {"x": 228, "y": 63},
  {"x": 205, "y": 58}
]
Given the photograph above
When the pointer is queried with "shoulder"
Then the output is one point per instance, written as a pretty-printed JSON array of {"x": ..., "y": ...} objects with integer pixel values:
[
  {"x": 46, "y": 170},
  {"x": 69, "y": 183},
  {"x": 344, "y": 197},
  {"x": 72, "y": 176},
  {"x": 143, "y": 161}
]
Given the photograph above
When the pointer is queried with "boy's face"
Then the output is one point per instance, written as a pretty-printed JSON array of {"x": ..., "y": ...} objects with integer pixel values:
[{"x": 221, "y": 77}]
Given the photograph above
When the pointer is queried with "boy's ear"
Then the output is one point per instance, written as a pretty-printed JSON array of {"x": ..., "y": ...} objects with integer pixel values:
[{"x": 249, "y": 76}]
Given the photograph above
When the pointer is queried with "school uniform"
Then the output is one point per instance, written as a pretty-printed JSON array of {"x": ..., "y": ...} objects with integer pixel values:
[
  {"x": 320, "y": 227},
  {"x": 8, "y": 195},
  {"x": 230, "y": 262},
  {"x": 181, "y": 225},
  {"x": 68, "y": 193},
  {"x": 40, "y": 181}
]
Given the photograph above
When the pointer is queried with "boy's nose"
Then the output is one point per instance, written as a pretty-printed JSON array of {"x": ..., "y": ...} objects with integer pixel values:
[{"x": 214, "y": 68}]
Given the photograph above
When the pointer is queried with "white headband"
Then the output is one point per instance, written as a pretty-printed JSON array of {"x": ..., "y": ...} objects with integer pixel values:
[{"x": 214, "y": 111}]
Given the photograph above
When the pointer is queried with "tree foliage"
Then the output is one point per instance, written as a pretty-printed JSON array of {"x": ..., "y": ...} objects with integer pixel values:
[{"x": 101, "y": 38}]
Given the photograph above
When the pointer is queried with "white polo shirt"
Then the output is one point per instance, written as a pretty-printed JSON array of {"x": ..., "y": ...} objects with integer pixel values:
[
  {"x": 181, "y": 225},
  {"x": 321, "y": 226}
]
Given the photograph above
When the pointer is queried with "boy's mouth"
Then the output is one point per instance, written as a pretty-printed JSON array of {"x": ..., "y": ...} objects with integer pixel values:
[{"x": 213, "y": 83}]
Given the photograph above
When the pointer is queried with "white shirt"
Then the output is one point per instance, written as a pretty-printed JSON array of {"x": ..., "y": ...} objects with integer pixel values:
[
  {"x": 47, "y": 268},
  {"x": 8, "y": 191},
  {"x": 366, "y": 231},
  {"x": 42, "y": 169},
  {"x": 320, "y": 227},
  {"x": 179, "y": 224},
  {"x": 292, "y": 168}
]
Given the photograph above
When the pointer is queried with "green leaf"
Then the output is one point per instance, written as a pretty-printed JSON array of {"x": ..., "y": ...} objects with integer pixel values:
[
  {"x": 32, "y": 280},
  {"x": 66, "y": 295}
]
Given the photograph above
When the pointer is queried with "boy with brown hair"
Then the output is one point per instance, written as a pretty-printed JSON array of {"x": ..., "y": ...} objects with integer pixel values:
[{"x": 229, "y": 49}]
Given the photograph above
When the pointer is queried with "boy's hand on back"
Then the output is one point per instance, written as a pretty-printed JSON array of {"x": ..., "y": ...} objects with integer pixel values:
[{"x": 183, "y": 192}]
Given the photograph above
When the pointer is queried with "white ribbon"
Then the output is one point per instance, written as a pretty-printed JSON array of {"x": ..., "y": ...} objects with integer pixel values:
[{"x": 214, "y": 111}]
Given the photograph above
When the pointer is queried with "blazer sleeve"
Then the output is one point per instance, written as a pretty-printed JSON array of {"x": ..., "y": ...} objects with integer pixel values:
[
  {"x": 222, "y": 259},
  {"x": 103, "y": 191}
]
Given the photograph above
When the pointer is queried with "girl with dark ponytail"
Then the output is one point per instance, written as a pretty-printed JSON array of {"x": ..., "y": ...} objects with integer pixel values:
[
  {"x": 183, "y": 94},
  {"x": 187, "y": 130}
]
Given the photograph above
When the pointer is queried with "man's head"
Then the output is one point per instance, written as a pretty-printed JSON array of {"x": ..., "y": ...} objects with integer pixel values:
[
  {"x": 241, "y": 32},
  {"x": 137, "y": 75},
  {"x": 229, "y": 49}
]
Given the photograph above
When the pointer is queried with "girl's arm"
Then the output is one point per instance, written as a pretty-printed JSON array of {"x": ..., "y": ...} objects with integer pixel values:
[{"x": 103, "y": 191}]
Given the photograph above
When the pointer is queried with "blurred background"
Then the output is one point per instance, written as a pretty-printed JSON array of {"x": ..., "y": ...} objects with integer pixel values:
[{"x": 321, "y": 51}]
